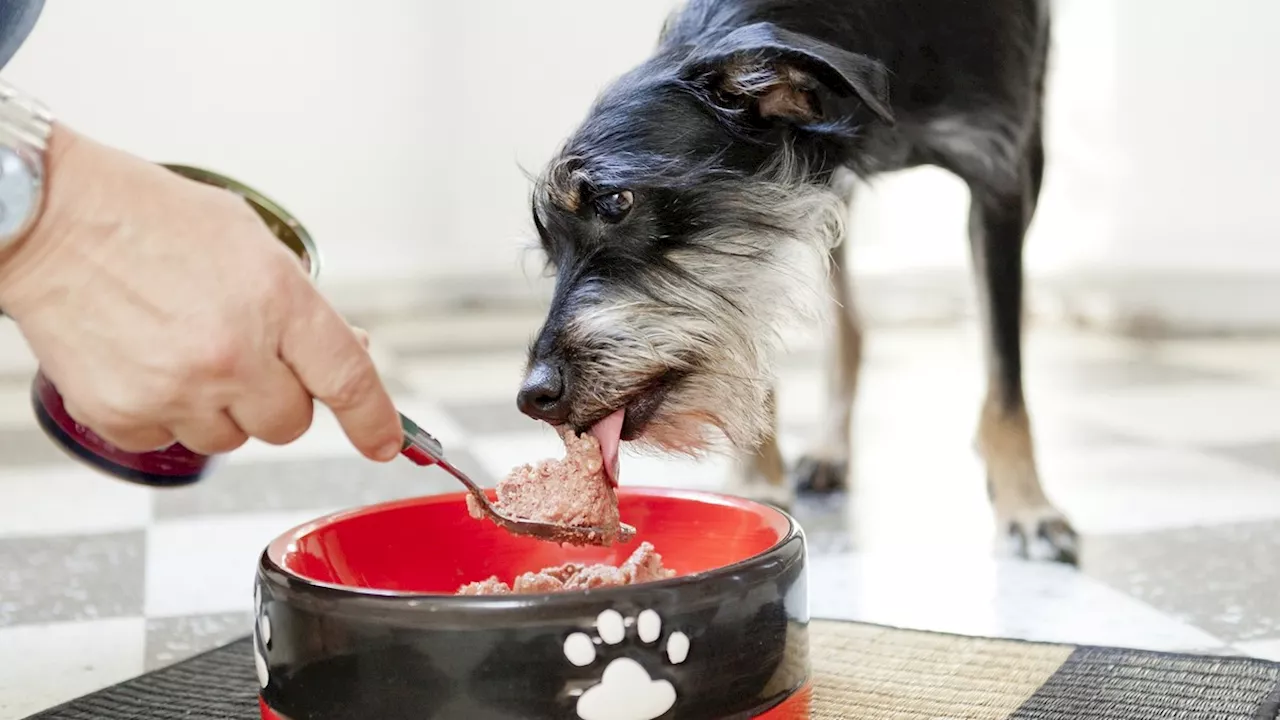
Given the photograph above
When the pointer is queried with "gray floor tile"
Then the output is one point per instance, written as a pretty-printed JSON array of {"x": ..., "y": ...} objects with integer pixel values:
[
  {"x": 29, "y": 446},
  {"x": 61, "y": 579},
  {"x": 1096, "y": 374},
  {"x": 311, "y": 483},
  {"x": 1224, "y": 578},
  {"x": 825, "y": 525},
  {"x": 171, "y": 640}
]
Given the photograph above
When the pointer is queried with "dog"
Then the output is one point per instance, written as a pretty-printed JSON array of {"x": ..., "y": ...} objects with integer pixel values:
[{"x": 685, "y": 215}]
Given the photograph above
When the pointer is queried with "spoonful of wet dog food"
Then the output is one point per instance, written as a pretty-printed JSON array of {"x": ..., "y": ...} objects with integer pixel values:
[{"x": 564, "y": 501}]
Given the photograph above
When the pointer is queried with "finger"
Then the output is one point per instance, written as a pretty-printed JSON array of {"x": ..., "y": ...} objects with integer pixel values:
[
  {"x": 212, "y": 435},
  {"x": 122, "y": 435},
  {"x": 362, "y": 335},
  {"x": 279, "y": 412},
  {"x": 325, "y": 354}
]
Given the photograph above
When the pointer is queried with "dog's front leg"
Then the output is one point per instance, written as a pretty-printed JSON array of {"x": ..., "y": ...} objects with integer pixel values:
[
  {"x": 998, "y": 221},
  {"x": 826, "y": 466},
  {"x": 761, "y": 475}
]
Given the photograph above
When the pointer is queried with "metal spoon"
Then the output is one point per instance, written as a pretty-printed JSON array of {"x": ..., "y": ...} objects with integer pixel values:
[{"x": 425, "y": 450}]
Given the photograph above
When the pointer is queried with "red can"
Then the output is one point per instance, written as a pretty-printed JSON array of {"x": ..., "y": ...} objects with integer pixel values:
[{"x": 175, "y": 465}]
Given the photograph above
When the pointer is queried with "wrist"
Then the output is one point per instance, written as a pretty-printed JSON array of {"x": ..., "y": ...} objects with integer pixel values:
[{"x": 23, "y": 252}]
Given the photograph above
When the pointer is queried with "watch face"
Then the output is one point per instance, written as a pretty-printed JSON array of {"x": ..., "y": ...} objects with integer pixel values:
[{"x": 18, "y": 193}]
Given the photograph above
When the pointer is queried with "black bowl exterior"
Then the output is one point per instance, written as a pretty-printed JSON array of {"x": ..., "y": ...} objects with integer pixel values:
[{"x": 729, "y": 643}]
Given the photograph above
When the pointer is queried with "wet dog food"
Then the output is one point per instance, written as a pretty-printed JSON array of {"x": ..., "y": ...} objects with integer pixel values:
[
  {"x": 644, "y": 565},
  {"x": 572, "y": 491}
]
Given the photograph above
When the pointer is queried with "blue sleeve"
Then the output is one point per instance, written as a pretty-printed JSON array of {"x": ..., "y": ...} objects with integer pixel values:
[{"x": 17, "y": 17}]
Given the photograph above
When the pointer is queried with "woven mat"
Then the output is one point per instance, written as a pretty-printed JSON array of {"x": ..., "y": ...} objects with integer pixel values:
[{"x": 861, "y": 672}]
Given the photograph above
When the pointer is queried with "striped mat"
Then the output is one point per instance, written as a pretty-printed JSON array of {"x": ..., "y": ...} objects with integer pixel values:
[
  {"x": 861, "y": 672},
  {"x": 864, "y": 672}
]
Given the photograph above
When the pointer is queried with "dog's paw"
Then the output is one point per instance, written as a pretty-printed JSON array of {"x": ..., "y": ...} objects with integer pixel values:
[
  {"x": 745, "y": 482},
  {"x": 1040, "y": 534},
  {"x": 816, "y": 476},
  {"x": 625, "y": 690}
]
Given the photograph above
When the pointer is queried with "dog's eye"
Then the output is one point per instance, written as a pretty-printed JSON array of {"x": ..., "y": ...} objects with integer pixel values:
[{"x": 612, "y": 208}]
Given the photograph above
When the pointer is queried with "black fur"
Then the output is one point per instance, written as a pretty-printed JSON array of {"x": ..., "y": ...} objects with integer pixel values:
[{"x": 740, "y": 98}]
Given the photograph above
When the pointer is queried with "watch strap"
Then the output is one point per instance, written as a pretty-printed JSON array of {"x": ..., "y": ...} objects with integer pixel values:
[{"x": 25, "y": 123}]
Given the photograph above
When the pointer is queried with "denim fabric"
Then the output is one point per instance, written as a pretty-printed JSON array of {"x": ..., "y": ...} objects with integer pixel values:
[{"x": 17, "y": 17}]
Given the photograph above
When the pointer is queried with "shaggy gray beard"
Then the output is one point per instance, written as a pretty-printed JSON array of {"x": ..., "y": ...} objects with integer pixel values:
[{"x": 718, "y": 323}]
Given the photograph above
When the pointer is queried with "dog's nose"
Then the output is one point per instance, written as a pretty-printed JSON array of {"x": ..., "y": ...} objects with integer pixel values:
[{"x": 542, "y": 396}]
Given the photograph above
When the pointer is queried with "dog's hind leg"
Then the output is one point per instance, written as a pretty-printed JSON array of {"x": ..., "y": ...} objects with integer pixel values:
[
  {"x": 998, "y": 222},
  {"x": 825, "y": 467}
]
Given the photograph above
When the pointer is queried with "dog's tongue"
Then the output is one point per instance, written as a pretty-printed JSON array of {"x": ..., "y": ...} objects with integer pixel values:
[{"x": 609, "y": 433}]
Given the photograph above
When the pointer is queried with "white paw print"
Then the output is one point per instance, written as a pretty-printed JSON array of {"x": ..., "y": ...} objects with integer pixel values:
[
  {"x": 262, "y": 637},
  {"x": 625, "y": 690}
]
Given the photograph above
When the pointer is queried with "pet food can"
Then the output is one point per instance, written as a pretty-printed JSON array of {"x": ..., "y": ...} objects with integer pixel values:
[{"x": 175, "y": 465}]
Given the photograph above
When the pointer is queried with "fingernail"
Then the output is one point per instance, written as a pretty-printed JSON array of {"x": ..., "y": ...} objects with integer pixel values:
[{"x": 389, "y": 451}]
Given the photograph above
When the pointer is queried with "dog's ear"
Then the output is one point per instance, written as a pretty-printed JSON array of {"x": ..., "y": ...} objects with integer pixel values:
[{"x": 780, "y": 72}]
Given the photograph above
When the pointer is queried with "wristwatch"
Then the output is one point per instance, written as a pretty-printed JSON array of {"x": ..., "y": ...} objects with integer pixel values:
[{"x": 25, "y": 126}]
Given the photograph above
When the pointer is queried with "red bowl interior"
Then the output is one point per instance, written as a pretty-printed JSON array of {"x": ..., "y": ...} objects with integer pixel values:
[{"x": 431, "y": 544}]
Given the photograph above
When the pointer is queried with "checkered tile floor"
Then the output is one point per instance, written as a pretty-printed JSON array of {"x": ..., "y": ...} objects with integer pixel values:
[{"x": 1167, "y": 456}]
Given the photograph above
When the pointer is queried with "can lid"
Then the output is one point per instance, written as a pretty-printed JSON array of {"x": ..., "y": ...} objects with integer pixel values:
[{"x": 281, "y": 223}]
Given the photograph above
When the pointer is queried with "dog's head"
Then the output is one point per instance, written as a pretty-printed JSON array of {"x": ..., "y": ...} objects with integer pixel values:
[{"x": 684, "y": 220}]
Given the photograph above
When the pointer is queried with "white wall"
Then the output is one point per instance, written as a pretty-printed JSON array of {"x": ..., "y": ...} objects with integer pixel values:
[
  {"x": 1199, "y": 96},
  {"x": 526, "y": 72},
  {"x": 398, "y": 135},
  {"x": 335, "y": 115},
  {"x": 1172, "y": 209}
]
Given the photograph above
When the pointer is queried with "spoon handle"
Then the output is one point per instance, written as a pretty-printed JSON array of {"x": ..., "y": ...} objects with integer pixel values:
[{"x": 419, "y": 445}]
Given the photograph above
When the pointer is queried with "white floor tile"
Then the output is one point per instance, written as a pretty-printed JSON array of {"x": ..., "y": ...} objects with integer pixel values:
[
  {"x": 1132, "y": 489},
  {"x": 644, "y": 469},
  {"x": 1265, "y": 649},
  {"x": 46, "y": 665},
  {"x": 69, "y": 500},
  {"x": 326, "y": 439},
  {"x": 990, "y": 598},
  {"x": 15, "y": 355},
  {"x": 1193, "y": 414},
  {"x": 207, "y": 564},
  {"x": 1258, "y": 359},
  {"x": 15, "y": 406}
]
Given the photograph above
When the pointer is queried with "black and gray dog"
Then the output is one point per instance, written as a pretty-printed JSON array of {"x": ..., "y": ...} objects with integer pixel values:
[{"x": 683, "y": 216}]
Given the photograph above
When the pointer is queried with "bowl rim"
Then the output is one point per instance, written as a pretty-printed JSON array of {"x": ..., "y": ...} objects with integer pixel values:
[{"x": 269, "y": 562}]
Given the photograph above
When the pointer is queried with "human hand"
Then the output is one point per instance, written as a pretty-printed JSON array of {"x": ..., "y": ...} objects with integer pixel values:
[{"x": 164, "y": 310}]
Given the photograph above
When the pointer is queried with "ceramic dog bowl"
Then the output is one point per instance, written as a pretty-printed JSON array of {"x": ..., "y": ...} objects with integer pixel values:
[
  {"x": 174, "y": 465},
  {"x": 356, "y": 618}
]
